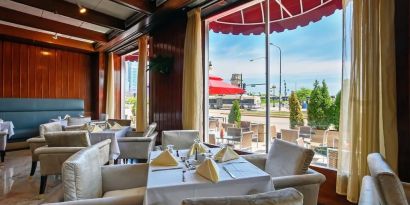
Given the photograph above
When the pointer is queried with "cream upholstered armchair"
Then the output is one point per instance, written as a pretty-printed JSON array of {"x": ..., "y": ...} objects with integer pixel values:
[
  {"x": 71, "y": 121},
  {"x": 137, "y": 148},
  {"x": 181, "y": 139},
  {"x": 383, "y": 186},
  {"x": 60, "y": 146},
  {"x": 288, "y": 164},
  {"x": 148, "y": 131},
  {"x": 289, "y": 196},
  {"x": 86, "y": 182},
  {"x": 40, "y": 141}
]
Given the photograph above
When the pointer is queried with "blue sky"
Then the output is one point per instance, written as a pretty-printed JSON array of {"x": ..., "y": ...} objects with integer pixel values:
[{"x": 309, "y": 53}]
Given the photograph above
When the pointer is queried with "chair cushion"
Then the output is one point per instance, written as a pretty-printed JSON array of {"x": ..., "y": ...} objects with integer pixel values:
[
  {"x": 388, "y": 185},
  {"x": 67, "y": 139},
  {"x": 140, "y": 191},
  {"x": 288, "y": 196},
  {"x": 285, "y": 158},
  {"x": 50, "y": 127}
]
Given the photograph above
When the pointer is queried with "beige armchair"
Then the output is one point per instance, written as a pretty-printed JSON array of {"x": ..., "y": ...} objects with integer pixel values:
[
  {"x": 78, "y": 120},
  {"x": 181, "y": 139},
  {"x": 150, "y": 129},
  {"x": 288, "y": 164},
  {"x": 383, "y": 186},
  {"x": 40, "y": 141},
  {"x": 121, "y": 122},
  {"x": 3, "y": 143},
  {"x": 287, "y": 196},
  {"x": 244, "y": 138},
  {"x": 137, "y": 148},
  {"x": 86, "y": 182},
  {"x": 60, "y": 146}
]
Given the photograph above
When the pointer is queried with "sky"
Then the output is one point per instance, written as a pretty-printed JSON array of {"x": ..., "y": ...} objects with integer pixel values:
[{"x": 309, "y": 53}]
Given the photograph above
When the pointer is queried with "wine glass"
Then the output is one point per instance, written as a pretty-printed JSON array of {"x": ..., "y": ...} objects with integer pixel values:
[{"x": 170, "y": 148}]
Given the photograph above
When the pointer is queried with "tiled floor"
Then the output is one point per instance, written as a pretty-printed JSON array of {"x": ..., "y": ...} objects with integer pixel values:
[{"x": 15, "y": 185}]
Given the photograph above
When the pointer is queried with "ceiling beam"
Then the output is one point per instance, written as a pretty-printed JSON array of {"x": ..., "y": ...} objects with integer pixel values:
[
  {"x": 45, "y": 38},
  {"x": 71, "y": 10},
  {"x": 138, "y": 5},
  {"x": 17, "y": 17}
]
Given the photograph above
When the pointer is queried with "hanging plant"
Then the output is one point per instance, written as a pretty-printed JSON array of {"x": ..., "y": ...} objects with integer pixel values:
[{"x": 161, "y": 64}]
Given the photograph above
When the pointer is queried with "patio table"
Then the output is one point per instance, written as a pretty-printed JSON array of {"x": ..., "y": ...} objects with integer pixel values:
[
  {"x": 7, "y": 125},
  {"x": 113, "y": 135},
  {"x": 167, "y": 187}
]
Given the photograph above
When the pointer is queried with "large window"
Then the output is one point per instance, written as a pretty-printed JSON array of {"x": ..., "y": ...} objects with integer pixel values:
[{"x": 304, "y": 89}]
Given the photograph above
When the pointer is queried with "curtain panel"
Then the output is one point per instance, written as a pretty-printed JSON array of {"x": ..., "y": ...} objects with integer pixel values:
[
  {"x": 368, "y": 111},
  {"x": 110, "y": 103},
  {"x": 141, "y": 111},
  {"x": 192, "y": 82}
]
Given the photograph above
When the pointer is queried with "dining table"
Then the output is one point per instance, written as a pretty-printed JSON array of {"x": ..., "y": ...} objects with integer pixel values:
[
  {"x": 113, "y": 135},
  {"x": 9, "y": 126},
  {"x": 171, "y": 185}
]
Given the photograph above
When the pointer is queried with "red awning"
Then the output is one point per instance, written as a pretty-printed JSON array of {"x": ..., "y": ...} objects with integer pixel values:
[
  {"x": 131, "y": 57},
  {"x": 218, "y": 87},
  {"x": 284, "y": 14}
]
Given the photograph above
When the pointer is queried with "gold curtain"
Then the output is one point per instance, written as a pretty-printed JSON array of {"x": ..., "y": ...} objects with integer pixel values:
[
  {"x": 141, "y": 115},
  {"x": 368, "y": 112},
  {"x": 110, "y": 104},
  {"x": 192, "y": 84}
]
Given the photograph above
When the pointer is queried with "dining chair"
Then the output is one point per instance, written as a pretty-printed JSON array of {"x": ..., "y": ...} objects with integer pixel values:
[
  {"x": 78, "y": 120},
  {"x": 331, "y": 138},
  {"x": 147, "y": 132},
  {"x": 383, "y": 186},
  {"x": 289, "y": 196},
  {"x": 85, "y": 181},
  {"x": 225, "y": 126},
  {"x": 181, "y": 139},
  {"x": 289, "y": 135},
  {"x": 59, "y": 147},
  {"x": 122, "y": 122},
  {"x": 288, "y": 165},
  {"x": 3, "y": 143},
  {"x": 332, "y": 158},
  {"x": 213, "y": 125},
  {"x": 136, "y": 148},
  {"x": 254, "y": 127},
  {"x": 305, "y": 131},
  {"x": 246, "y": 125},
  {"x": 244, "y": 138},
  {"x": 212, "y": 138}
]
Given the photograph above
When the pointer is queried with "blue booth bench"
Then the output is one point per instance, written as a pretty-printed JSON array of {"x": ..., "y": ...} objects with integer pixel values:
[{"x": 28, "y": 113}]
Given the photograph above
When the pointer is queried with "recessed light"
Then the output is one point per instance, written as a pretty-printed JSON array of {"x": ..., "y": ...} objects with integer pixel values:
[{"x": 83, "y": 10}]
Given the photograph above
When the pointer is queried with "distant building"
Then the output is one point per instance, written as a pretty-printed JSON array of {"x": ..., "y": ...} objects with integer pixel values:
[
  {"x": 131, "y": 74},
  {"x": 236, "y": 79}
]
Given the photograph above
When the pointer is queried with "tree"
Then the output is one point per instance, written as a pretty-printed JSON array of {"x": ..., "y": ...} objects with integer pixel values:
[
  {"x": 335, "y": 111},
  {"x": 319, "y": 106},
  {"x": 133, "y": 102},
  {"x": 234, "y": 116},
  {"x": 296, "y": 115},
  {"x": 303, "y": 94}
]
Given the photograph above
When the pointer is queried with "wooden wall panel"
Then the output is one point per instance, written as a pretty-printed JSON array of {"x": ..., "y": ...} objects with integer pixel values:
[
  {"x": 28, "y": 71},
  {"x": 165, "y": 93}
]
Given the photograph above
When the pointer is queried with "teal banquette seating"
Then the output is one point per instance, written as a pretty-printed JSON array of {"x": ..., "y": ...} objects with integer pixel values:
[{"x": 28, "y": 113}]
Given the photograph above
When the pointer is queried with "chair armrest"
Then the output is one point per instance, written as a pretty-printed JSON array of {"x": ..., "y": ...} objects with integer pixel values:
[
  {"x": 367, "y": 196},
  {"x": 57, "y": 150},
  {"x": 258, "y": 160},
  {"x": 121, "y": 200},
  {"x": 36, "y": 140},
  {"x": 311, "y": 177},
  {"x": 124, "y": 176},
  {"x": 134, "y": 134},
  {"x": 134, "y": 139},
  {"x": 406, "y": 187}
]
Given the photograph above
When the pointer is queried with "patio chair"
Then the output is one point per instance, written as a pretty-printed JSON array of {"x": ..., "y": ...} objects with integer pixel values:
[
  {"x": 181, "y": 139},
  {"x": 289, "y": 196},
  {"x": 227, "y": 125},
  {"x": 305, "y": 131},
  {"x": 213, "y": 125},
  {"x": 290, "y": 135},
  {"x": 255, "y": 135},
  {"x": 331, "y": 138},
  {"x": 212, "y": 138},
  {"x": 246, "y": 126},
  {"x": 238, "y": 135},
  {"x": 332, "y": 157}
]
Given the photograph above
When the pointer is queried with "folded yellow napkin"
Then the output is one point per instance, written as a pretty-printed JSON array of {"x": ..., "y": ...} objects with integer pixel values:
[
  {"x": 165, "y": 159},
  {"x": 116, "y": 126},
  {"x": 226, "y": 154},
  {"x": 201, "y": 148},
  {"x": 209, "y": 169},
  {"x": 96, "y": 128}
]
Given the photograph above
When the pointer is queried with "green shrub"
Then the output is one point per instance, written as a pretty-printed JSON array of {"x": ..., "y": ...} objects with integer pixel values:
[
  {"x": 319, "y": 107},
  {"x": 234, "y": 116},
  {"x": 296, "y": 115}
]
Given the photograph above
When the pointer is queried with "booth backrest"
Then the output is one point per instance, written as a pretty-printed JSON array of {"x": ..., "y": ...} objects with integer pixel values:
[{"x": 28, "y": 113}]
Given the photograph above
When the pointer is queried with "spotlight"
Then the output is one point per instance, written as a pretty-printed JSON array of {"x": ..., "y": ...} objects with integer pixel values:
[{"x": 81, "y": 9}]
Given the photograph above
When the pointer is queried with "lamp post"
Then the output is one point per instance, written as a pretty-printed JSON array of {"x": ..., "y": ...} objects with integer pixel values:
[{"x": 280, "y": 74}]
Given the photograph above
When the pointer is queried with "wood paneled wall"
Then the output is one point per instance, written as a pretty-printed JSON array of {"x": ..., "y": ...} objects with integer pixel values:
[
  {"x": 402, "y": 27},
  {"x": 28, "y": 71},
  {"x": 165, "y": 93}
]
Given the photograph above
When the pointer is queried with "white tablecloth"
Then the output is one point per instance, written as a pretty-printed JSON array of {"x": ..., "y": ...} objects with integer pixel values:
[
  {"x": 7, "y": 125},
  {"x": 166, "y": 187},
  {"x": 113, "y": 135}
]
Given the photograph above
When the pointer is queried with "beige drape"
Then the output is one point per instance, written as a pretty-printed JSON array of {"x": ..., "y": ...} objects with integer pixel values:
[
  {"x": 368, "y": 115},
  {"x": 110, "y": 103},
  {"x": 141, "y": 115},
  {"x": 192, "y": 85}
]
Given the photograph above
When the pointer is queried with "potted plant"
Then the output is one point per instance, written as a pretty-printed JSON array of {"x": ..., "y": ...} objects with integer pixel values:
[{"x": 161, "y": 64}]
